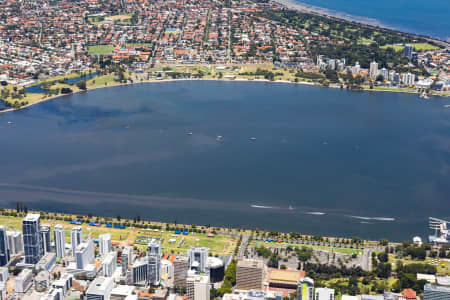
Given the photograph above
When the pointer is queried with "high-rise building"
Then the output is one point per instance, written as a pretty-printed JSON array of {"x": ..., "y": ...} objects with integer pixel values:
[
  {"x": 305, "y": 289},
  {"x": 408, "y": 78},
  {"x": 197, "y": 287},
  {"x": 198, "y": 258},
  {"x": 4, "y": 249},
  {"x": 140, "y": 271},
  {"x": 46, "y": 239},
  {"x": 408, "y": 51},
  {"x": 15, "y": 242},
  {"x": 100, "y": 289},
  {"x": 109, "y": 264},
  {"x": 127, "y": 259},
  {"x": 104, "y": 241},
  {"x": 85, "y": 254},
  {"x": 76, "y": 238},
  {"x": 373, "y": 71},
  {"x": 60, "y": 245},
  {"x": 324, "y": 294},
  {"x": 180, "y": 268},
  {"x": 154, "y": 262},
  {"x": 250, "y": 274},
  {"x": 23, "y": 281},
  {"x": 4, "y": 274},
  {"x": 32, "y": 244},
  {"x": 435, "y": 292}
]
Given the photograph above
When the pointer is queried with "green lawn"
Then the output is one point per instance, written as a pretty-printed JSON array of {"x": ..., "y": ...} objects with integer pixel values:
[
  {"x": 101, "y": 49},
  {"x": 416, "y": 46}
]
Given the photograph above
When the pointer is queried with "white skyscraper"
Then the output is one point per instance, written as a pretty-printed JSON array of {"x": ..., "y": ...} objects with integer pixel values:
[
  {"x": 104, "y": 241},
  {"x": 154, "y": 262},
  {"x": 15, "y": 241},
  {"x": 85, "y": 254},
  {"x": 76, "y": 237},
  {"x": 127, "y": 259},
  {"x": 197, "y": 287},
  {"x": 60, "y": 245},
  {"x": 109, "y": 264},
  {"x": 198, "y": 258},
  {"x": 373, "y": 72},
  {"x": 45, "y": 238}
]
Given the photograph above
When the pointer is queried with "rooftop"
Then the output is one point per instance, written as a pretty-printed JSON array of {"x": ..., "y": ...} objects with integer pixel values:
[
  {"x": 251, "y": 263},
  {"x": 32, "y": 217}
]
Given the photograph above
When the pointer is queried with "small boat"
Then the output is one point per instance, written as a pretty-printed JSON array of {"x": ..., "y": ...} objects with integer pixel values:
[
  {"x": 424, "y": 95},
  {"x": 290, "y": 207},
  {"x": 189, "y": 133},
  {"x": 252, "y": 139},
  {"x": 219, "y": 138},
  {"x": 447, "y": 105}
]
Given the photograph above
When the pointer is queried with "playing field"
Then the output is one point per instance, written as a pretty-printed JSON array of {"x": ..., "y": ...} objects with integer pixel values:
[{"x": 101, "y": 49}]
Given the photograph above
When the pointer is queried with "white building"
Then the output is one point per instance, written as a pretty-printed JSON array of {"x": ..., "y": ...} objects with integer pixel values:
[
  {"x": 4, "y": 275},
  {"x": 198, "y": 258},
  {"x": 104, "y": 242},
  {"x": 76, "y": 238},
  {"x": 53, "y": 294},
  {"x": 140, "y": 271},
  {"x": 15, "y": 242},
  {"x": 305, "y": 289},
  {"x": 64, "y": 283},
  {"x": 197, "y": 287},
  {"x": 127, "y": 259},
  {"x": 23, "y": 281},
  {"x": 324, "y": 294},
  {"x": 109, "y": 264},
  {"x": 100, "y": 289},
  {"x": 60, "y": 244},
  {"x": 154, "y": 262},
  {"x": 373, "y": 71},
  {"x": 166, "y": 270},
  {"x": 407, "y": 78},
  {"x": 85, "y": 254}
]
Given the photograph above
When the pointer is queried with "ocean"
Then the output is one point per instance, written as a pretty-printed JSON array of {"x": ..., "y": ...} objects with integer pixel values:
[
  {"x": 324, "y": 161},
  {"x": 415, "y": 16}
]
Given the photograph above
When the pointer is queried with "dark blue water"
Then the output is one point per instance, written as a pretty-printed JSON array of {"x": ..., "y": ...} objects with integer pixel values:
[
  {"x": 38, "y": 87},
  {"x": 125, "y": 150},
  {"x": 416, "y": 16}
]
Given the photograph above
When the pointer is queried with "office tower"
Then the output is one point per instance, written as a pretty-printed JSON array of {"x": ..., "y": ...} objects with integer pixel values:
[
  {"x": 324, "y": 294},
  {"x": 250, "y": 274},
  {"x": 32, "y": 244},
  {"x": 154, "y": 262},
  {"x": 85, "y": 254},
  {"x": 15, "y": 242},
  {"x": 104, "y": 241},
  {"x": 4, "y": 274},
  {"x": 127, "y": 259},
  {"x": 109, "y": 264},
  {"x": 305, "y": 289},
  {"x": 45, "y": 238},
  {"x": 180, "y": 269},
  {"x": 100, "y": 289},
  {"x": 140, "y": 271},
  {"x": 435, "y": 292},
  {"x": 408, "y": 51},
  {"x": 373, "y": 71},
  {"x": 197, "y": 287},
  {"x": 198, "y": 258},
  {"x": 4, "y": 249},
  {"x": 60, "y": 245},
  {"x": 76, "y": 238}
]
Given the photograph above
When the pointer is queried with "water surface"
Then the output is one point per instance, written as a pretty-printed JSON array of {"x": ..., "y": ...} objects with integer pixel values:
[{"x": 324, "y": 160}]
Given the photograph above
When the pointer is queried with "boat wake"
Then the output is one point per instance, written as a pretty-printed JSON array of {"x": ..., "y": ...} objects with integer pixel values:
[
  {"x": 262, "y": 206},
  {"x": 315, "y": 213},
  {"x": 372, "y": 218}
]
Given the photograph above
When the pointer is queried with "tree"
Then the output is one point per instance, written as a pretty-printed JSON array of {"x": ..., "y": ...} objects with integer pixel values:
[{"x": 82, "y": 85}]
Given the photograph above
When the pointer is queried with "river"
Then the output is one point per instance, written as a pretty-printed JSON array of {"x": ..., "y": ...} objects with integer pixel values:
[{"x": 326, "y": 161}]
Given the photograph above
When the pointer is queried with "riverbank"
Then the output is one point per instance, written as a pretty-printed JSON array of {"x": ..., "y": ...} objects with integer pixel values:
[{"x": 114, "y": 84}]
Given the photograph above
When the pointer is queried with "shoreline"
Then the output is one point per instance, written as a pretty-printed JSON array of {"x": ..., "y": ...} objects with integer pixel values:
[
  {"x": 209, "y": 79},
  {"x": 364, "y": 21}
]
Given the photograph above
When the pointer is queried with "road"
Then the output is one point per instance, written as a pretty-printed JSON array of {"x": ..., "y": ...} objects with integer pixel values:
[
  {"x": 366, "y": 259},
  {"x": 243, "y": 246}
]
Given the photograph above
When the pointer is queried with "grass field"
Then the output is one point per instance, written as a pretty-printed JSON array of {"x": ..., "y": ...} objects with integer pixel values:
[
  {"x": 218, "y": 244},
  {"x": 342, "y": 250},
  {"x": 101, "y": 49},
  {"x": 416, "y": 46}
]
